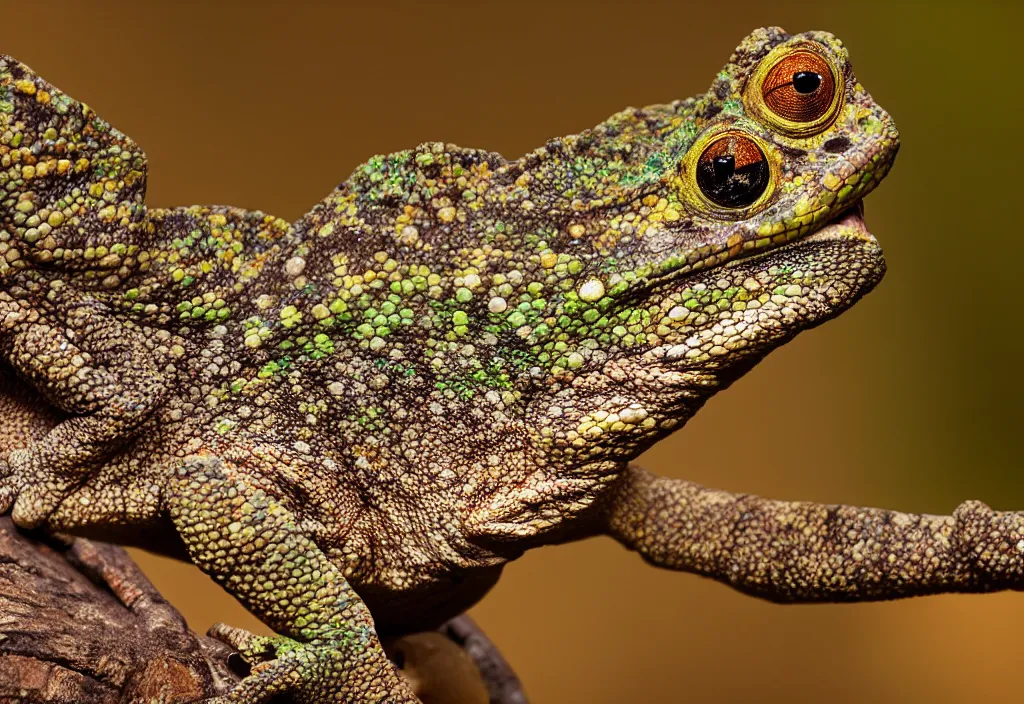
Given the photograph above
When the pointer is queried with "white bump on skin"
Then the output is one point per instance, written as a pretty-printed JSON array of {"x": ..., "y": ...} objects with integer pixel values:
[
  {"x": 497, "y": 305},
  {"x": 294, "y": 266},
  {"x": 592, "y": 290}
]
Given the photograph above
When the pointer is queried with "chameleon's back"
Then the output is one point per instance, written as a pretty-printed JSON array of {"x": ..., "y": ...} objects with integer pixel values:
[
  {"x": 72, "y": 187},
  {"x": 72, "y": 206}
]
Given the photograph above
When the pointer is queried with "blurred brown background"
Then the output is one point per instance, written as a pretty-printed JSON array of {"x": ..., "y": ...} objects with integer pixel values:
[{"x": 912, "y": 400}]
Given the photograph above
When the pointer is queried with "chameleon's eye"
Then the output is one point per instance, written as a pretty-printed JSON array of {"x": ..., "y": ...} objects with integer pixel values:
[
  {"x": 800, "y": 87},
  {"x": 796, "y": 90},
  {"x": 732, "y": 171}
]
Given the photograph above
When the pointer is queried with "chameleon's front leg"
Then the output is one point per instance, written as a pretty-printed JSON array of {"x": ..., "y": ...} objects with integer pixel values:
[
  {"x": 804, "y": 552},
  {"x": 250, "y": 544}
]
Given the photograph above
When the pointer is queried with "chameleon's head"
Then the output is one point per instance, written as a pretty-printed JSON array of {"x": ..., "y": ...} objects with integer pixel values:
[{"x": 734, "y": 222}]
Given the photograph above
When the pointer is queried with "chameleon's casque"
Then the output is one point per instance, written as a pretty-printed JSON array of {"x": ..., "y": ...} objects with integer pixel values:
[{"x": 450, "y": 359}]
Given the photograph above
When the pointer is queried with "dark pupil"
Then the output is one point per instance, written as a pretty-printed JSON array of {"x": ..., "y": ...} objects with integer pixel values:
[
  {"x": 724, "y": 166},
  {"x": 732, "y": 187},
  {"x": 806, "y": 81}
]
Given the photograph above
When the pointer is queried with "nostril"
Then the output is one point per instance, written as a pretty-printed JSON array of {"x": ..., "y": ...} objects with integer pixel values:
[{"x": 837, "y": 145}]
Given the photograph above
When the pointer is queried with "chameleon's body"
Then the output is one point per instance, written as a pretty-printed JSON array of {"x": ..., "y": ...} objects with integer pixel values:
[{"x": 449, "y": 360}]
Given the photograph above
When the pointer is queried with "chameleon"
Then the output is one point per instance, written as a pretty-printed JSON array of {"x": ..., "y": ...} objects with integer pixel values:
[{"x": 352, "y": 422}]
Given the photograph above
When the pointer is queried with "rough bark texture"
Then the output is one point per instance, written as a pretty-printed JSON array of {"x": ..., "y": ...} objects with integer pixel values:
[{"x": 79, "y": 622}]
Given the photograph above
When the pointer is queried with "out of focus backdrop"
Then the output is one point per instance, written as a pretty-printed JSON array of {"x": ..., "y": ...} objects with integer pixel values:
[{"x": 912, "y": 400}]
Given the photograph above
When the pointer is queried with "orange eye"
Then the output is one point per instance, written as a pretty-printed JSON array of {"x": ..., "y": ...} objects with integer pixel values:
[
  {"x": 800, "y": 87},
  {"x": 732, "y": 171}
]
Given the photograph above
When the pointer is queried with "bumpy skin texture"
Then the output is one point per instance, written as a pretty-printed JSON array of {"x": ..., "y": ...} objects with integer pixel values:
[{"x": 353, "y": 421}]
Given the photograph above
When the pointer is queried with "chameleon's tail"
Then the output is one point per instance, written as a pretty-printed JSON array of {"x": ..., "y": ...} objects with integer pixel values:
[{"x": 72, "y": 188}]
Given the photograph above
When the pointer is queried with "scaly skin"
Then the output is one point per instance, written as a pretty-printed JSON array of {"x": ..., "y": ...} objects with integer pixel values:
[{"x": 352, "y": 422}]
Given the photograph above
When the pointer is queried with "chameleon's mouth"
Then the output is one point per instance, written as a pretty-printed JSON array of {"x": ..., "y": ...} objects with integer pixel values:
[
  {"x": 848, "y": 226},
  {"x": 848, "y": 223}
]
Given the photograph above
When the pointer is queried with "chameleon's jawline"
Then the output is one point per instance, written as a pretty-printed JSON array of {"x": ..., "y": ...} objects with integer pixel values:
[{"x": 849, "y": 223}]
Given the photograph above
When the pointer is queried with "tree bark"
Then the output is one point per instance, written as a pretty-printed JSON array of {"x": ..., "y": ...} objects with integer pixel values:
[{"x": 79, "y": 622}]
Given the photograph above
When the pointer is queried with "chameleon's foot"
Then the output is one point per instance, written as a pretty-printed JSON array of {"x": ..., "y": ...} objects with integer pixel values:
[
  {"x": 8, "y": 487},
  {"x": 312, "y": 673},
  {"x": 34, "y": 491}
]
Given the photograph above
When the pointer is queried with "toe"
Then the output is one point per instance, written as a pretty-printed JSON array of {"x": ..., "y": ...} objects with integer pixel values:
[
  {"x": 253, "y": 648},
  {"x": 237, "y": 638},
  {"x": 33, "y": 505},
  {"x": 8, "y": 486}
]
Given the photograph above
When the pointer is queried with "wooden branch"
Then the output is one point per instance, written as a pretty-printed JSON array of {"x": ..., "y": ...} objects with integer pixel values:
[{"x": 79, "y": 622}]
